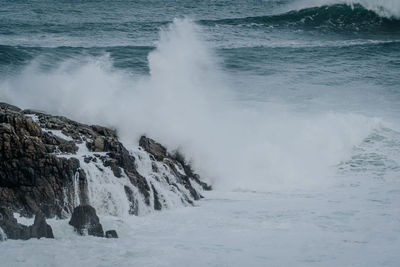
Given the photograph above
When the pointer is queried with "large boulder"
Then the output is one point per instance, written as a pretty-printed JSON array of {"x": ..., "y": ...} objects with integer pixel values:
[
  {"x": 86, "y": 222},
  {"x": 40, "y": 228}
]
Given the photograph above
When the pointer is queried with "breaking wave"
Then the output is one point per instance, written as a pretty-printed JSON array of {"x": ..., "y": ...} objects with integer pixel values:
[
  {"x": 337, "y": 17},
  {"x": 187, "y": 103}
]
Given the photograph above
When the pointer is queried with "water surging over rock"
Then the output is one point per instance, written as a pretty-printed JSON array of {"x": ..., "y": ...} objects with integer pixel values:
[{"x": 51, "y": 164}]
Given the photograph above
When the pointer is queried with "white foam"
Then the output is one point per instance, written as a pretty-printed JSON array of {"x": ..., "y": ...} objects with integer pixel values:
[
  {"x": 23, "y": 220},
  {"x": 58, "y": 133},
  {"x": 3, "y": 236},
  {"x": 346, "y": 226},
  {"x": 34, "y": 117},
  {"x": 106, "y": 193},
  {"x": 187, "y": 103}
]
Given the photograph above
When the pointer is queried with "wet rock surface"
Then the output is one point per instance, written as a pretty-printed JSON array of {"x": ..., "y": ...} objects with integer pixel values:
[
  {"x": 11, "y": 227},
  {"x": 86, "y": 222},
  {"x": 14, "y": 230},
  {"x": 111, "y": 234},
  {"x": 32, "y": 177},
  {"x": 40, "y": 228},
  {"x": 46, "y": 168},
  {"x": 157, "y": 150}
]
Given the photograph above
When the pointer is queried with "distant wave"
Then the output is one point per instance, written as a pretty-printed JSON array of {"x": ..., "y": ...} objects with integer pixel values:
[
  {"x": 338, "y": 17},
  {"x": 22, "y": 55}
]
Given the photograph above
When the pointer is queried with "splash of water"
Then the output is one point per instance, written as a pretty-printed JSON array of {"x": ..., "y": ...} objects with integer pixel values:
[{"x": 185, "y": 103}]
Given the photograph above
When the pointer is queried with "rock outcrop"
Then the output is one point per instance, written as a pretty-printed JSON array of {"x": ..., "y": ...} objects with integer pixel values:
[
  {"x": 40, "y": 228},
  {"x": 14, "y": 230},
  {"x": 111, "y": 234},
  {"x": 86, "y": 222},
  {"x": 32, "y": 177},
  {"x": 174, "y": 161},
  {"x": 50, "y": 165},
  {"x": 11, "y": 227}
]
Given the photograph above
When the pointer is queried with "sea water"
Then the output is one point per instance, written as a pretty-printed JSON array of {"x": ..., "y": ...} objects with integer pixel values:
[{"x": 290, "y": 109}]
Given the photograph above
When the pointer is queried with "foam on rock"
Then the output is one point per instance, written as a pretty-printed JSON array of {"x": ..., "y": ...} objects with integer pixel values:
[{"x": 50, "y": 165}]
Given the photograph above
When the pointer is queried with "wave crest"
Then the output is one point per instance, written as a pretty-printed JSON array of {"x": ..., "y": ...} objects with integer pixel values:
[{"x": 338, "y": 17}]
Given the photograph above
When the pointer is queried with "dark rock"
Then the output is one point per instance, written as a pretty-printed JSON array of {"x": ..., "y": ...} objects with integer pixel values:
[
  {"x": 87, "y": 159},
  {"x": 116, "y": 170},
  {"x": 111, "y": 234},
  {"x": 85, "y": 221},
  {"x": 40, "y": 228},
  {"x": 98, "y": 144},
  {"x": 149, "y": 145},
  {"x": 205, "y": 186},
  {"x": 133, "y": 205},
  {"x": 15, "y": 230},
  {"x": 34, "y": 178},
  {"x": 113, "y": 164},
  {"x": 177, "y": 156},
  {"x": 140, "y": 182},
  {"x": 9, "y": 107},
  {"x": 11, "y": 227},
  {"x": 154, "y": 167},
  {"x": 157, "y": 203},
  {"x": 104, "y": 131}
]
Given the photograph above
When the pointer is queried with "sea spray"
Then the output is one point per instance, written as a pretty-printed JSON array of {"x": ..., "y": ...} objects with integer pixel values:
[
  {"x": 187, "y": 103},
  {"x": 3, "y": 236}
]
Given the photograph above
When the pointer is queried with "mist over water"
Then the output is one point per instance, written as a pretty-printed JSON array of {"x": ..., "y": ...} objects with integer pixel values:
[
  {"x": 289, "y": 108},
  {"x": 187, "y": 103}
]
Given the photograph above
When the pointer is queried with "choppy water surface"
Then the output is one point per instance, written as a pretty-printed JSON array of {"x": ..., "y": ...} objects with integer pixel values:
[{"x": 290, "y": 107}]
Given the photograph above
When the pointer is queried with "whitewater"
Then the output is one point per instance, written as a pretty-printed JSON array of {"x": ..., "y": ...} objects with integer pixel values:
[{"x": 289, "y": 109}]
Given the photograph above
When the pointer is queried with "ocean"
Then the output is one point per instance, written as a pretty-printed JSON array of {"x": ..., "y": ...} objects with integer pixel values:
[{"x": 289, "y": 108}]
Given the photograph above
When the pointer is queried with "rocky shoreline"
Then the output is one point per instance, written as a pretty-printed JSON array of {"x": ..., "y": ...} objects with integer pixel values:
[{"x": 50, "y": 165}]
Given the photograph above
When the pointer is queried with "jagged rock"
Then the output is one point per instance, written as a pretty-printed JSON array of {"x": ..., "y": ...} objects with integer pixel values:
[
  {"x": 157, "y": 203},
  {"x": 113, "y": 164},
  {"x": 205, "y": 186},
  {"x": 11, "y": 227},
  {"x": 6, "y": 106},
  {"x": 157, "y": 150},
  {"x": 178, "y": 157},
  {"x": 111, "y": 234},
  {"x": 40, "y": 228},
  {"x": 160, "y": 153},
  {"x": 41, "y": 171},
  {"x": 15, "y": 230},
  {"x": 133, "y": 205},
  {"x": 31, "y": 177},
  {"x": 85, "y": 221},
  {"x": 98, "y": 144}
]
